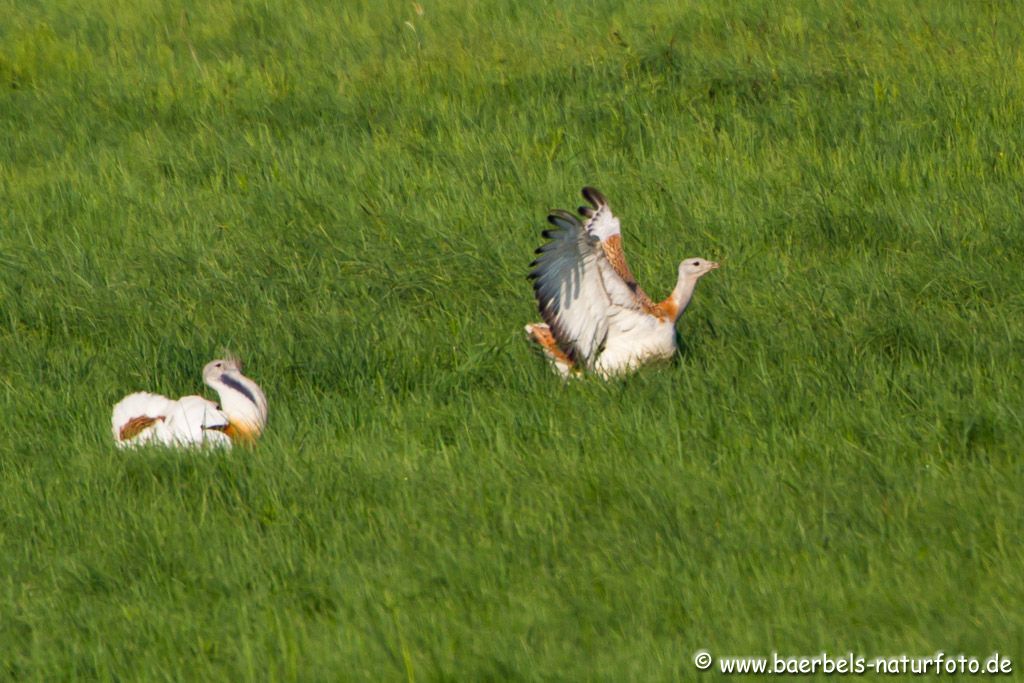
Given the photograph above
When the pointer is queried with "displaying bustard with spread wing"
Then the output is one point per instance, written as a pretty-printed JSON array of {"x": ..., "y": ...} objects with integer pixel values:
[
  {"x": 143, "y": 418},
  {"x": 596, "y": 316}
]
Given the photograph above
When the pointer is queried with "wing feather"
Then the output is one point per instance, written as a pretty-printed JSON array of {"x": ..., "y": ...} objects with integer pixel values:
[
  {"x": 569, "y": 288},
  {"x": 195, "y": 421},
  {"x": 582, "y": 281},
  {"x": 134, "y": 419},
  {"x": 604, "y": 225}
]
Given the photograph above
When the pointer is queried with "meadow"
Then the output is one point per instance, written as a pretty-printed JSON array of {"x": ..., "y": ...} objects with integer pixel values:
[{"x": 348, "y": 196}]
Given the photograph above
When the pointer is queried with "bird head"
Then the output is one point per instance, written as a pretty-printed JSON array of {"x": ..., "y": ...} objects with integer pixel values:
[
  {"x": 696, "y": 268},
  {"x": 213, "y": 370}
]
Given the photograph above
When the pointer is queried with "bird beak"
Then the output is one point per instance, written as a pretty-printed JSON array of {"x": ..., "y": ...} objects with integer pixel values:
[{"x": 714, "y": 266}]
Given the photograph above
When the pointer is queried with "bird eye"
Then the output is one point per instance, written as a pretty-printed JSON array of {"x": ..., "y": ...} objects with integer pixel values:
[{"x": 696, "y": 263}]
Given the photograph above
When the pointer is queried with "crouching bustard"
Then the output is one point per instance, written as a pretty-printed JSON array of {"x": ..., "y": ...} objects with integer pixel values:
[
  {"x": 193, "y": 421},
  {"x": 596, "y": 316}
]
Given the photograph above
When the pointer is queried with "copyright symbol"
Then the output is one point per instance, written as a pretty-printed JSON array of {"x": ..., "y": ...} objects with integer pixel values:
[{"x": 702, "y": 659}]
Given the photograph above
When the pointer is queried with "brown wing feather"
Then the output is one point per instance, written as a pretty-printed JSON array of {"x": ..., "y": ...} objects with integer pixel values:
[
  {"x": 136, "y": 426},
  {"x": 617, "y": 259},
  {"x": 602, "y": 222}
]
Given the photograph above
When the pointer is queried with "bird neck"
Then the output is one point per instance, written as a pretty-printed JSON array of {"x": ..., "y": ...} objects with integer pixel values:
[
  {"x": 242, "y": 401},
  {"x": 680, "y": 297}
]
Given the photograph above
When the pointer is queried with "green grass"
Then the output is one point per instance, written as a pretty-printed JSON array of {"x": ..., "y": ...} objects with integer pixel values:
[{"x": 348, "y": 197}]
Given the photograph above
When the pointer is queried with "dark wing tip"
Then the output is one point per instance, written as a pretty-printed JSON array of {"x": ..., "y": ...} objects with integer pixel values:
[
  {"x": 594, "y": 196},
  {"x": 587, "y": 212},
  {"x": 563, "y": 219}
]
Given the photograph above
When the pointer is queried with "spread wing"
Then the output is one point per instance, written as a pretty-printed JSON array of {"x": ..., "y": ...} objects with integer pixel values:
[
  {"x": 602, "y": 223},
  {"x": 578, "y": 287}
]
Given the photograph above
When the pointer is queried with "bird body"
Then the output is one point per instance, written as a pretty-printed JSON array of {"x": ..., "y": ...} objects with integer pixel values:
[
  {"x": 596, "y": 315},
  {"x": 634, "y": 340},
  {"x": 143, "y": 418}
]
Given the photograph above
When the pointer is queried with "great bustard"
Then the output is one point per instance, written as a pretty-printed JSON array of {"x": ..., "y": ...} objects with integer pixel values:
[
  {"x": 143, "y": 418},
  {"x": 596, "y": 316}
]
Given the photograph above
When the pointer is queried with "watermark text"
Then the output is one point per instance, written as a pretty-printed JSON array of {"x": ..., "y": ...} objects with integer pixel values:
[{"x": 855, "y": 665}]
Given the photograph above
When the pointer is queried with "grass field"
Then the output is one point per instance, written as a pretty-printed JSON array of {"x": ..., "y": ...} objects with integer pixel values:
[{"x": 348, "y": 195}]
